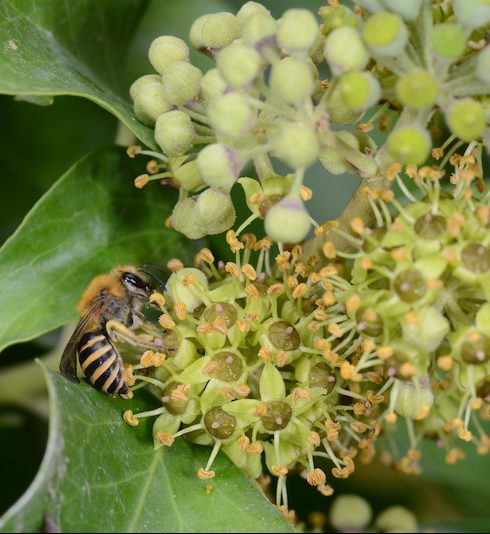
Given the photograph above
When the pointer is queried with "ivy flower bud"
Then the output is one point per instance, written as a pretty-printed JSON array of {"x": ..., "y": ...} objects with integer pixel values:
[
  {"x": 332, "y": 160},
  {"x": 472, "y": 13},
  {"x": 219, "y": 165},
  {"x": 231, "y": 115},
  {"x": 336, "y": 17},
  {"x": 338, "y": 112},
  {"x": 409, "y": 144},
  {"x": 212, "y": 85},
  {"x": 187, "y": 175},
  {"x": 185, "y": 219},
  {"x": 449, "y": 40},
  {"x": 350, "y": 513},
  {"x": 483, "y": 65},
  {"x": 467, "y": 119},
  {"x": 417, "y": 89},
  {"x": 181, "y": 82},
  {"x": 174, "y": 132},
  {"x": 165, "y": 50},
  {"x": 238, "y": 64},
  {"x": 291, "y": 69},
  {"x": 259, "y": 30},
  {"x": 359, "y": 90},
  {"x": 250, "y": 8},
  {"x": 142, "y": 81},
  {"x": 427, "y": 331},
  {"x": 215, "y": 31},
  {"x": 296, "y": 144},
  {"x": 385, "y": 34},
  {"x": 215, "y": 210},
  {"x": 297, "y": 32},
  {"x": 411, "y": 400},
  {"x": 407, "y": 10},
  {"x": 345, "y": 51},
  {"x": 150, "y": 102},
  {"x": 396, "y": 519},
  {"x": 189, "y": 294},
  {"x": 288, "y": 221}
]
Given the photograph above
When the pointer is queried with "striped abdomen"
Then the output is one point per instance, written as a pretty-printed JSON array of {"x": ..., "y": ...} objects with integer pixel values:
[{"x": 102, "y": 364}]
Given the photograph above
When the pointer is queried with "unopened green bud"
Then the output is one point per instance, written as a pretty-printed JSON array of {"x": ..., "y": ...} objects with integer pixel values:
[
  {"x": 174, "y": 132},
  {"x": 426, "y": 329},
  {"x": 396, "y": 519},
  {"x": 259, "y": 30},
  {"x": 288, "y": 221},
  {"x": 231, "y": 115},
  {"x": 216, "y": 211},
  {"x": 338, "y": 112},
  {"x": 385, "y": 34},
  {"x": 297, "y": 32},
  {"x": 449, "y": 40},
  {"x": 282, "y": 74},
  {"x": 345, "y": 51},
  {"x": 467, "y": 119},
  {"x": 181, "y": 82},
  {"x": 417, "y": 89},
  {"x": 332, "y": 160},
  {"x": 185, "y": 219},
  {"x": 407, "y": 10},
  {"x": 410, "y": 285},
  {"x": 219, "y": 165},
  {"x": 215, "y": 31},
  {"x": 165, "y": 50},
  {"x": 190, "y": 293},
  {"x": 212, "y": 84},
  {"x": 141, "y": 82},
  {"x": 413, "y": 401},
  {"x": 472, "y": 13},
  {"x": 219, "y": 424},
  {"x": 483, "y": 65},
  {"x": 409, "y": 144},
  {"x": 238, "y": 64},
  {"x": 186, "y": 175},
  {"x": 296, "y": 144},
  {"x": 336, "y": 17},
  {"x": 359, "y": 90},
  {"x": 150, "y": 102},
  {"x": 250, "y": 8},
  {"x": 350, "y": 513}
]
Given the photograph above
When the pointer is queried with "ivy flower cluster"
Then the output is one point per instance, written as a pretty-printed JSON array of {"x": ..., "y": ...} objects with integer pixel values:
[{"x": 266, "y": 100}]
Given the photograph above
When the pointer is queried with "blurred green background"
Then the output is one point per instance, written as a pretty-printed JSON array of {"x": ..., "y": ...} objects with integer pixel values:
[{"x": 38, "y": 144}]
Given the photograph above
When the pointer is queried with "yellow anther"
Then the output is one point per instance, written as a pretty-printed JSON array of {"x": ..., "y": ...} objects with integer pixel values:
[
  {"x": 316, "y": 477},
  {"x": 165, "y": 438},
  {"x": 166, "y": 321},
  {"x": 249, "y": 272},
  {"x": 180, "y": 310},
  {"x": 255, "y": 448},
  {"x": 445, "y": 363},
  {"x": 301, "y": 394},
  {"x": 329, "y": 250},
  {"x": 205, "y": 475},
  {"x": 279, "y": 470},
  {"x": 133, "y": 150},
  {"x": 174, "y": 265},
  {"x": 306, "y": 193},
  {"x": 130, "y": 418},
  {"x": 141, "y": 180},
  {"x": 300, "y": 291},
  {"x": 158, "y": 299},
  {"x": 314, "y": 438},
  {"x": 232, "y": 268},
  {"x": 275, "y": 290}
]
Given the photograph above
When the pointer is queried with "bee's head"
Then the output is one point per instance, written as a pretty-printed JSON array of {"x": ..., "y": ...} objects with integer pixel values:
[{"x": 139, "y": 282}]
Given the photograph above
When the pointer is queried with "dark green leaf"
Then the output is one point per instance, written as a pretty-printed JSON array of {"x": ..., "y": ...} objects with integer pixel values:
[
  {"x": 70, "y": 48},
  {"x": 90, "y": 220},
  {"x": 100, "y": 475}
]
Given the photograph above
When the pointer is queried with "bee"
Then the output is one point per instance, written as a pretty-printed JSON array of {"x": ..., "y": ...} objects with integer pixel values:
[{"x": 110, "y": 308}]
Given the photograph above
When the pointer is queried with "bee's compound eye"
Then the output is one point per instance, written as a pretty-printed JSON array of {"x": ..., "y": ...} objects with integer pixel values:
[{"x": 134, "y": 280}]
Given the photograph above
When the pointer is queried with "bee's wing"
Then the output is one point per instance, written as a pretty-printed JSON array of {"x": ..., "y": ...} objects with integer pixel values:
[{"x": 68, "y": 364}]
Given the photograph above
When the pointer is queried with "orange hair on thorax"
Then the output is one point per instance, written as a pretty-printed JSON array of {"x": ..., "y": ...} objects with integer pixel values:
[{"x": 106, "y": 282}]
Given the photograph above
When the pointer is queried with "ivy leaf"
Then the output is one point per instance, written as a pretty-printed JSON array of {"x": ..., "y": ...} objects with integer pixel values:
[
  {"x": 100, "y": 475},
  {"x": 90, "y": 220},
  {"x": 70, "y": 48}
]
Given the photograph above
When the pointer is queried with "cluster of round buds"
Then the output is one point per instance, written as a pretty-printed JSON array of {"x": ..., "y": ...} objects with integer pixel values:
[
  {"x": 265, "y": 100},
  {"x": 257, "y": 364},
  {"x": 419, "y": 293}
]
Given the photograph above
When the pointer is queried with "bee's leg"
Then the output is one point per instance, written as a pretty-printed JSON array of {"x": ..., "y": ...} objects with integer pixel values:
[{"x": 117, "y": 331}]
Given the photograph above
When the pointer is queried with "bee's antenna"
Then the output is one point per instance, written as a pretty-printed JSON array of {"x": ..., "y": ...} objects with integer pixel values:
[
  {"x": 153, "y": 266},
  {"x": 155, "y": 277}
]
